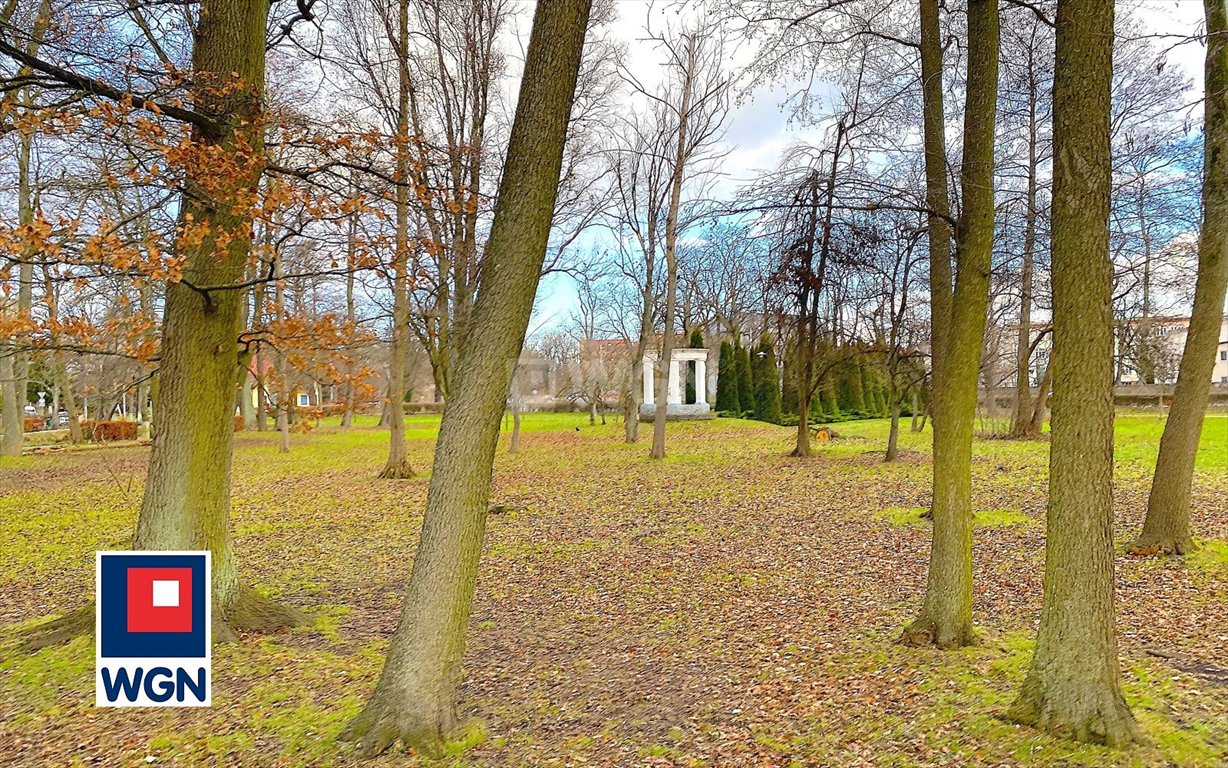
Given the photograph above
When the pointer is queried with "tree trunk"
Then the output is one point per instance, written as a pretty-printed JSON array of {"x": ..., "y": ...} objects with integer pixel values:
[
  {"x": 414, "y": 700},
  {"x": 1073, "y": 685},
  {"x": 398, "y": 466},
  {"x": 1166, "y": 528},
  {"x": 1040, "y": 409},
  {"x": 893, "y": 437},
  {"x": 681, "y": 156},
  {"x": 1021, "y": 421},
  {"x": 514, "y": 443},
  {"x": 946, "y": 615},
  {"x": 12, "y": 407},
  {"x": 69, "y": 399},
  {"x": 187, "y": 491}
]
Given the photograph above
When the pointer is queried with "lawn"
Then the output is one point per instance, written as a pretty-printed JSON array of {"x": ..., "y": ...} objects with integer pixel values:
[{"x": 727, "y": 606}]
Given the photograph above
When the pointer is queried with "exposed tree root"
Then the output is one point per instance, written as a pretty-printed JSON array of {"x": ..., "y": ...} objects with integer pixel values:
[
  {"x": 1091, "y": 716},
  {"x": 1162, "y": 546},
  {"x": 408, "y": 719},
  {"x": 927, "y": 632},
  {"x": 251, "y": 611},
  {"x": 397, "y": 471},
  {"x": 71, "y": 625}
]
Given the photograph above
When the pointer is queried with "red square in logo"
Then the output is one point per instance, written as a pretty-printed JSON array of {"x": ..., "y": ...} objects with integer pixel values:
[{"x": 159, "y": 599}]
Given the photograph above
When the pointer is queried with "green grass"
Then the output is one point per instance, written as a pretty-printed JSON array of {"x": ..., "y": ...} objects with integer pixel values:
[{"x": 729, "y": 601}]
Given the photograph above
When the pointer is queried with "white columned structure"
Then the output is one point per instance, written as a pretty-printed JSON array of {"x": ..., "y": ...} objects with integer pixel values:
[
  {"x": 701, "y": 382},
  {"x": 675, "y": 408},
  {"x": 650, "y": 380}
]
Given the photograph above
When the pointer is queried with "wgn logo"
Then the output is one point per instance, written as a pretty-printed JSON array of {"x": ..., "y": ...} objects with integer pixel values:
[{"x": 152, "y": 629}]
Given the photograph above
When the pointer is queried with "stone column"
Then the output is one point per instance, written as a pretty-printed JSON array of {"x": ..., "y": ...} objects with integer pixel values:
[
  {"x": 701, "y": 382},
  {"x": 649, "y": 381},
  {"x": 675, "y": 396}
]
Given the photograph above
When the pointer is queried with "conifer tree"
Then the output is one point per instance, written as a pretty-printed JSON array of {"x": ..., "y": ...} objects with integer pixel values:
[
  {"x": 767, "y": 386},
  {"x": 788, "y": 394},
  {"x": 727, "y": 400},
  {"x": 746, "y": 386}
]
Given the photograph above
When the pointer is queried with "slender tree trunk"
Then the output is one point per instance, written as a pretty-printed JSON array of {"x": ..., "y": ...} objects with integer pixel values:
[
  {"x": 1073, "y": 685},
  {"x": 1040, "y": 409},
  {"x": 351, "y": 316},
  {"x": 262, "y": 407},
  {"x": 1166, "y": 528},
  {"x": 398, "y": 466},
  {"x": 414, "y": 700},
  {"x": 893, "y": 437},
  {"x": 1021, "y": 421},
  {"x": 681, "y": 157},
  {"x": 946, "y": 615},
  {"x": 631, "y": 424},
  {"x": 68, "y": 399},
  {"x": 283, "y": 425},
  {"x": 12, "y": 407},
  {"x": 15, "y": 368},
  {"x": 514, "y": 444}
]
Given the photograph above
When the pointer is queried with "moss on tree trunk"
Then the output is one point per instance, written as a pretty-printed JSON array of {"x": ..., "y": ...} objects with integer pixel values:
[
  {"x": 398, "y": 466},
  {"x": 187, "y": 490},
  {"x": 946, "y": 615},
  {"x": 1166, "y": 528},
  {"x": 1073, "y": 687},
  {"x": 414, "y": 700}
]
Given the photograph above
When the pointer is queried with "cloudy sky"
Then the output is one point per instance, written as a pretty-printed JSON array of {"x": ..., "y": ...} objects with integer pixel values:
[{"x": 758, "y": 131}]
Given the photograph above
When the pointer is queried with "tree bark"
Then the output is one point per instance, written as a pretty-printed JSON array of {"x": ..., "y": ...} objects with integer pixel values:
[
  {"x": 893, "y": 437},
  {"x": 187, "y": 491},
  {"x": 414, "y": 700},
  {"x": 1166, "y": 528},
  {"x": 12, "y": 407},
  {"x": 1021, "y": 421},
  {"x": 946, "y": 615},
  {"x": 351, "y": 317},
  {"x": 665, "y": 361},
  {"x": 398, "y": 466},
  {"x": 1073, "y": 686}
]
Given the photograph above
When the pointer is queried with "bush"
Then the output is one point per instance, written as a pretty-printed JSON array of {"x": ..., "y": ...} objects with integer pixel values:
[
  {"x": 106, "y": 431},
  {"x": 34, "y": 423}
]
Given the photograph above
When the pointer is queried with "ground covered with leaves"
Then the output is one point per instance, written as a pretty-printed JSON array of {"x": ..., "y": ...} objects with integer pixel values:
[{"x": 727, "y": 606}]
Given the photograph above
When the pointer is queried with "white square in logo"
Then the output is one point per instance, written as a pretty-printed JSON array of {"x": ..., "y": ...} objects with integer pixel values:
[{"x": 165, "y": 594}]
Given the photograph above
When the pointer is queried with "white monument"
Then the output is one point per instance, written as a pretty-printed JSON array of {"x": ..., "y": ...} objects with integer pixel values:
[{"x": 675, "y": 407}]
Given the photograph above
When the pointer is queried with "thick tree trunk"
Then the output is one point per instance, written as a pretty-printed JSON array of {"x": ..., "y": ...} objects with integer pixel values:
[
  {"x": 187, "y": 491},
  {"x": 398, "y": 466},
  {"x": 946, "y": 615},
  {"x": 1166, "y": 528},
  {"x": 1073, "y": 685},
  {"x": 414, "y": 700}
]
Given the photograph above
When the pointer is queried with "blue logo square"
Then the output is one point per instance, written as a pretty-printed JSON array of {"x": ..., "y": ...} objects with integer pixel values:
[{"x": 124, "y": 623}]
